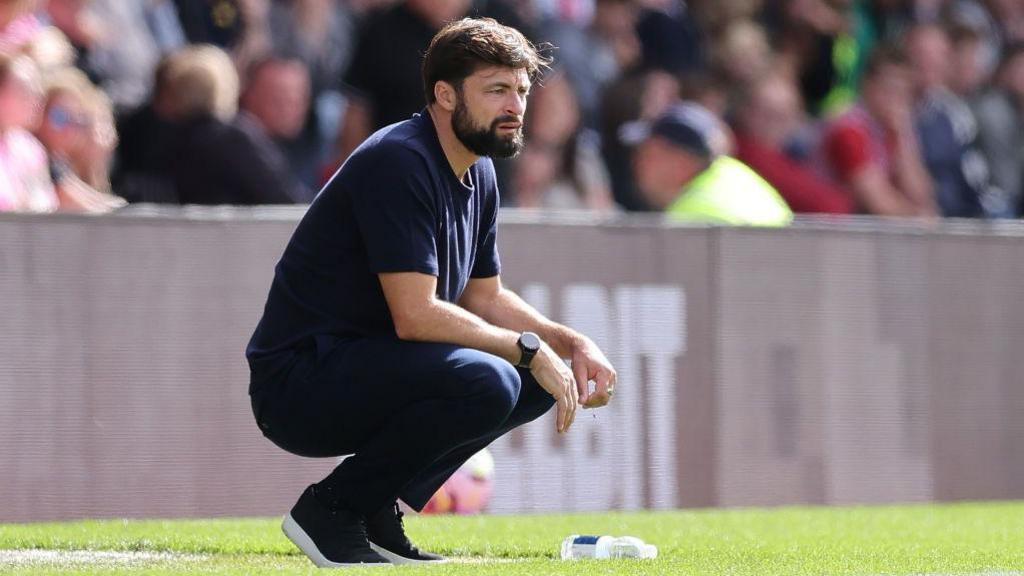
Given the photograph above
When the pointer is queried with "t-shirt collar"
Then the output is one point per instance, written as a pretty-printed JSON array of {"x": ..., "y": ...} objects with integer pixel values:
[{"x": 424, "y": 118}]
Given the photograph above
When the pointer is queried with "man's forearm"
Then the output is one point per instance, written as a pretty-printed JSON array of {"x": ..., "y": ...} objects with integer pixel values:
[
  {"x": 442, "y": 321},
  {"x": 507, "y": 310}
]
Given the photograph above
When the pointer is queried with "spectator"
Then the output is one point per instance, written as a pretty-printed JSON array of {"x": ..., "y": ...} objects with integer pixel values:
[
  {"x": 78, "y": 133},
  {"x": 974, "y": 31},
  {"x": 19, "y": 25},
  {"x": 623, "y": 59},
  {"x": 639, "y": 95},
  {"x": 682, "y": 168},
  {"x": 1001, "y": 128},
  {"x": 120, "y": 43},
  {"x": 277, "y": 96},
  {"x": 825, "y": 43},
  {"x": 769, "y": 119},
  {"x": 560, "y": 166},
  {"x": 238, "y": 26},
  {"x": 219, "y": 23},
  {"x": 202, "y": 84},
  {"x": 320, "y": 33},
  {"x": 274, "y": 107},
  {"x": 80, "y": 25},
  {"x": 22, "y": 32},
  {"x": 383, "y": 82},
  {"x": 593, "y": 55},
  {"x": 709, "y": 88},
  {"x": 743, "y": 53},
  {"x": 716, "y": 16},
  {"x": 216, "y": 161},
  {"x": 25, "y": 184},
  {"x": 1009, "y": 16},
  {"x": 947, "y": 129},
  {"x": 872, "y": 148},
  {"x": 670, "y": 36},
  {"x": 148, "y": 135},
  {"x": 969, "y": 70}
]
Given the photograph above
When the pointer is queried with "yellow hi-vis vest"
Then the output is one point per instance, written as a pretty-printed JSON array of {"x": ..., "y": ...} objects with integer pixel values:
[{"x": 729, "y": 192}]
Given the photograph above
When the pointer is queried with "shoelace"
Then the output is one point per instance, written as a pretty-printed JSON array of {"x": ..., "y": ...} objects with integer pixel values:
[{"x": 399, "y": 515}]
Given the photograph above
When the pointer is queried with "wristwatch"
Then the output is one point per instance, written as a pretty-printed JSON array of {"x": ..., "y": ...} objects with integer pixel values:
[{"x": 529, "y": 345}]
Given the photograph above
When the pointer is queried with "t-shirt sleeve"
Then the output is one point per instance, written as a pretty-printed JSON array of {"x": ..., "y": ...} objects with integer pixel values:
[
  {"x": 848, "y": 149},
  {"x": 395, "y": 207},
  {"x": 487, "y": 263}
]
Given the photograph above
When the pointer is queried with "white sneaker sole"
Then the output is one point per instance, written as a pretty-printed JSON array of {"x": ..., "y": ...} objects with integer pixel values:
[
  {"x": 298, "y": 536},
  {"x": 396, "y": 559}
]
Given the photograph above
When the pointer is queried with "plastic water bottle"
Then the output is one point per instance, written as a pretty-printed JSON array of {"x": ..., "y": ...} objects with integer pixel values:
[{"x": 578, "y": 547}]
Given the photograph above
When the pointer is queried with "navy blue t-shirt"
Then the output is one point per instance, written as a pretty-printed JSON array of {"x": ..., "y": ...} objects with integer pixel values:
[{"x": 395, "y": 206}]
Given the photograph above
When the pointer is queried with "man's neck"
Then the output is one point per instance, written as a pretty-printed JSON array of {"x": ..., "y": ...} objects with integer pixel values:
[{"x": 459, "y": 157}]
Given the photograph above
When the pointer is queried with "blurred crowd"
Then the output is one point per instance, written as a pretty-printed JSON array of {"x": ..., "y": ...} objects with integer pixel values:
[{"x": 739, "y": 111}]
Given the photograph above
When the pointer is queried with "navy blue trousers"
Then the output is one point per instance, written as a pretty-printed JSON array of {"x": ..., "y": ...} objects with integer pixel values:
[{"x": 409, "y": 413}]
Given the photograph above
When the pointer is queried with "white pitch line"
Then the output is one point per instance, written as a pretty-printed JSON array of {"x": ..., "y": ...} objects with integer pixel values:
[
  {"x": 88, "y": 557},
  {"x": 480, "y": 560},
  {"x": 112, "y": 558}
]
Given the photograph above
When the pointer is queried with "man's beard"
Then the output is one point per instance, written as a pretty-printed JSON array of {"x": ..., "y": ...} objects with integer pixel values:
[{"x": 485, "y": 141}]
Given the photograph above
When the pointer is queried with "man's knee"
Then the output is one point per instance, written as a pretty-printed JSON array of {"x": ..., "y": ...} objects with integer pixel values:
[{"x": 493, "y": 383}]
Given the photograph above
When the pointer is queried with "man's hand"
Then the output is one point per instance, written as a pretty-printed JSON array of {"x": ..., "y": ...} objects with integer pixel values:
[
  {"x": 589, "y": 363},
  {"x": 554, "y": 376}
]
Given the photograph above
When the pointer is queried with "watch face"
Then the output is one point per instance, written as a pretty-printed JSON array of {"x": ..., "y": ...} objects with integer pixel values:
[{"x": 530, "y": 341}]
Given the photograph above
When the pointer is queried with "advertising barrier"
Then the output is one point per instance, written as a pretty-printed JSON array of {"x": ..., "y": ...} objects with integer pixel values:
[{"x": 852, "y": 362}]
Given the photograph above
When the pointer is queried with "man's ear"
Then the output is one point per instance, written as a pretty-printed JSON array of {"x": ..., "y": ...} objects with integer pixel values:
[{"x": 445, "y": 95}]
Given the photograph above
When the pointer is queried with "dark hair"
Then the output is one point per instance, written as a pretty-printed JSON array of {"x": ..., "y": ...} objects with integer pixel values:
[
  {"x": 885, "y": 55},
  {"x": 464, "y": 45}
]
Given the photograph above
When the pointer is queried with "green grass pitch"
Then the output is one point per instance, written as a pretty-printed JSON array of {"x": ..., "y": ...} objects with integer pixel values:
[{"x": 975, "y": 539}]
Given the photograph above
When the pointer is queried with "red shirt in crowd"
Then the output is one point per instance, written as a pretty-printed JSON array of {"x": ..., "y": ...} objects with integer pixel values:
[
  {"x": 854, "y": 141},
  {"x": 799, "y": 186}
]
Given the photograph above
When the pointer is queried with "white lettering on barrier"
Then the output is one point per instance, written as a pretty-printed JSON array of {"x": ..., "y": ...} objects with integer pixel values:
[{"x": 619, "y": 457}]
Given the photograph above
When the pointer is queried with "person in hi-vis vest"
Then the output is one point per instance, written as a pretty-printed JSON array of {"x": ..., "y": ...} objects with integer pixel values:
[{"x": 681, "y": 168}]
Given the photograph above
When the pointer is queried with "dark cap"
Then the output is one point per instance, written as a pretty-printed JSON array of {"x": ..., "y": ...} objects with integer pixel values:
[{"x": 687, "y": 125}]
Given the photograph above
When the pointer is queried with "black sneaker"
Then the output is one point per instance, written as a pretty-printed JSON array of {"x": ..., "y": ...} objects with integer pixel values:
[
  {"x": 387, "y": 538},
  {"x": 331, "y": 539}
]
